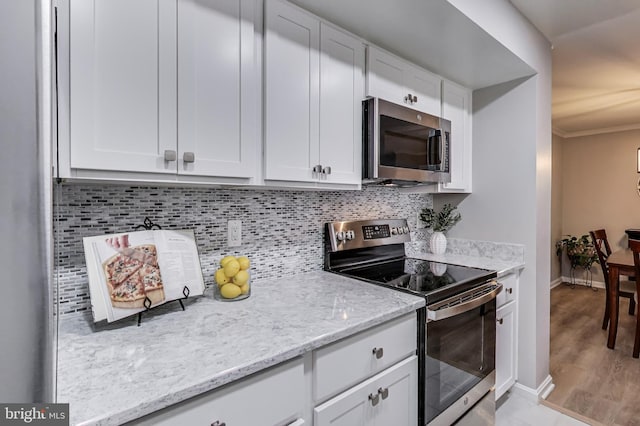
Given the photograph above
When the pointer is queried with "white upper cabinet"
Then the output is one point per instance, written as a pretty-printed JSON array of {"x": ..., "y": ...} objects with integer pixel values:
[
  {"x": 341, "y": 94},
  {"x": 314, "y": 85},
  {"x": 292, "y": 85},
  {"x": 456, "y": 107},
  {"x": 218, "y": 94},
  {"x": 155, "y": 86},
  {"x": 398, "y": 81},
  {"x": 122, "y": 85}
]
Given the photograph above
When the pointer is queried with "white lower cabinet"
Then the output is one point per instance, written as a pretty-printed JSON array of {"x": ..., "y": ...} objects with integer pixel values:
[
  {"x": 273, "y": 397},
  {"x": 370, "y": 378},
  {"x": 388, "y": 398},
  {"x": 506, "y": 336}
]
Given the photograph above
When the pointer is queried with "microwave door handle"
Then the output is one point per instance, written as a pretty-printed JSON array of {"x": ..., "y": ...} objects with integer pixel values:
[
  {"x": 443, "y": 150},
  {"x": 444, "y": 313},
  {"x": 376, "y": 139}
]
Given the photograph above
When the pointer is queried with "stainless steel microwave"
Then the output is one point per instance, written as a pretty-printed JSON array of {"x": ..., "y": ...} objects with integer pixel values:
[{"x": 403, "y": 146}]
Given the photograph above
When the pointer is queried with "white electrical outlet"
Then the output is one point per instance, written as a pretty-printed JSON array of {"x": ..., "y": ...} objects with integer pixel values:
[{"x": 234, "y": 233}]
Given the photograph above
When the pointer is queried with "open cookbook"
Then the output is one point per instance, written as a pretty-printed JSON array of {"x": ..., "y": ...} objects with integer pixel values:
[{"x": 133, "y": 271}]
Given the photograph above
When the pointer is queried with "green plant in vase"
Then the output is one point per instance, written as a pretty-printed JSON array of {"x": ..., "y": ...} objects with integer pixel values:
[{"x": 440, "y": 222}]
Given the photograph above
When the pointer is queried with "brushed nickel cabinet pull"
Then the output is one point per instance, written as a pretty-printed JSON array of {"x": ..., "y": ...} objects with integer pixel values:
[
  {"x": 500, "y": 321},
  {"x": 170, "y": 155},
  {"x": 188, "y": 157},
  {"x": 374, "y": 399},
  {"x": 384, "y": 392},
  {"x": 378, "y": 352},
  {"x": 218, "y": 423},
  {"x": 326, "y": 170},
  {"x": 317, "y": 168}
]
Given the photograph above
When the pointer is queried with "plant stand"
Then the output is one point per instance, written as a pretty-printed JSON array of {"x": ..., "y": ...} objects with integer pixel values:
[
  {"x": 587, "y": 277},
  {"x": 584, "y": 262}
]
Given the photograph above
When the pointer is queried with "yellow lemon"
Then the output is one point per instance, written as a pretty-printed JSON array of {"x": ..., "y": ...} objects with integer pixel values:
[
  {"x": 244, "y": 289},
  {"x": 241, "y": 278},
  {"x": 221, "y": 278},
  {"x": 226, "y": 259},
  {"x": 231, "y": 268},
  {"x": 244, "y": 262},
  {"x": 230, "y": 291}
]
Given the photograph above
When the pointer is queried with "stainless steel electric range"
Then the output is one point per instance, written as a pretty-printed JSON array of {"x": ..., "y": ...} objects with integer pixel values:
[{"x": 456, "y": 330}]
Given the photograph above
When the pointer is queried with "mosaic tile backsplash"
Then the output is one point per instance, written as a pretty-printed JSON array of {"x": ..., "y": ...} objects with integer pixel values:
[{"x": 282, "y": 231}]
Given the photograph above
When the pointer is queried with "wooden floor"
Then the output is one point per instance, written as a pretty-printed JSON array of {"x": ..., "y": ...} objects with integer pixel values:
[{"x": 596, "y": 382}]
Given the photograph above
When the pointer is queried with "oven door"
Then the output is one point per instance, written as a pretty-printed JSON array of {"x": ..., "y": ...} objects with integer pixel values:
[{"x": 460, "y": 353}]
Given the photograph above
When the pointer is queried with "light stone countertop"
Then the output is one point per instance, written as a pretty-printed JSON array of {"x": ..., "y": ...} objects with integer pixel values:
[
  {"x": 113, "y": 373},
  {"x": 503, "y": 267},
  {"x": 501, "y": 257}
]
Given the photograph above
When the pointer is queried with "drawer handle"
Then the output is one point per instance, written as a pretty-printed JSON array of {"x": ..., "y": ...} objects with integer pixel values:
[
  {"x": 509, "y": 290},
  {"x": 374, "y": 398},
  {"x": 189, "y": 157},
  {"x": 500, "y": 321},
  {"x": 378, "y": 352},
  {"x": 384, "y": 392},
  {"x": 218, "y": 423}
]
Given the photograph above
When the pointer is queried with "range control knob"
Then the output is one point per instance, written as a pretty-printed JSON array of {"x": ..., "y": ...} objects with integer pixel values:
[
  {"x": 406, "y": 229},
  {"x": 350, "y": 235},
  {"x": 394, "y": 231},
  {"x": 340, "y": 235}
]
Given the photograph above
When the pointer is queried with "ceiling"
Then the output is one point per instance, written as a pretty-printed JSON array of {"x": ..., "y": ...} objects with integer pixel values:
[
  {"x": 596, "y": 62},
  {"x": 433, "y": 34}
]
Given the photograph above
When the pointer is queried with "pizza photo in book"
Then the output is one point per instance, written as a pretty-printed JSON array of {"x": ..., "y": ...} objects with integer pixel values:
[{"x": 134, "y": 271}]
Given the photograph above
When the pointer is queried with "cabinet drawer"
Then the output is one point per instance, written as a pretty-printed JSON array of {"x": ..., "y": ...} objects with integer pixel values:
[
  {"x": 388, "y": 398},
  {"x": 351, "y": 360},
  {"x": 509, "y": 289},
  {"x": 273, "y": 397}
]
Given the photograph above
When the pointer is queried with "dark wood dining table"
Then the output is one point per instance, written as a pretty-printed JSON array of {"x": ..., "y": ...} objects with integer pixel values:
[{"x": 619, "y": 262}]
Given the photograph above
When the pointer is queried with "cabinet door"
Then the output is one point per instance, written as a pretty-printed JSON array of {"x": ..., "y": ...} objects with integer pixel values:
[
  {"x": 341, "y": 94},
  {"x": 385, "y": 76},
  {"x": 505, "y": 348},
  {"x": 217, "y": 72},
  {"x": 292, "y": 44},
  {"x": 456, "y": 107},
  {"x": 426, "y": 89},
  {"x": 122, "y": 84},
  {"x": 389, "y": 398}
]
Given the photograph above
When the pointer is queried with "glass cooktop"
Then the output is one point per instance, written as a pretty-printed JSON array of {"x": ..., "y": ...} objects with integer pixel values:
[{"x": 432, "y": 280}]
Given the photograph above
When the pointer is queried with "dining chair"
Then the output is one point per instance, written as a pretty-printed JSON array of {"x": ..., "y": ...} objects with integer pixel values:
[
  {"x": 627, "y": 288},
  {"x": 634, "y": 245}
]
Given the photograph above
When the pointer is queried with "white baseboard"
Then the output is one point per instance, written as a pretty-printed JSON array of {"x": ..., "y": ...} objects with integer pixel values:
[
  {"x": 534, "y": 395},
  {"x": 578, "y": 281},
  {"x": 555, "y": 283}
]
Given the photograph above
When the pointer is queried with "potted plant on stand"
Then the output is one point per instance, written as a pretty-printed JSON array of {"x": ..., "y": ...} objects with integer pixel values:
[
  {"x": 440, "y": 222},
  {"x": 581, "y": 254}
]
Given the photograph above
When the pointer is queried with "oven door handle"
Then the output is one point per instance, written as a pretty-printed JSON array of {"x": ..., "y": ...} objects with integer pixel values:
[{"x": 437, "y": 312}]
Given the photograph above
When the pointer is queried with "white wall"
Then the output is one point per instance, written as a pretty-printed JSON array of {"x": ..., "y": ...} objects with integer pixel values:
[
  {"x": 25, "y": 319},
  {"x": 512, "y": 153}
]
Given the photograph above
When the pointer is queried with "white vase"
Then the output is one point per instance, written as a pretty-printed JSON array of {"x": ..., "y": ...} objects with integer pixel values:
[{"x": 438, "y": 243}]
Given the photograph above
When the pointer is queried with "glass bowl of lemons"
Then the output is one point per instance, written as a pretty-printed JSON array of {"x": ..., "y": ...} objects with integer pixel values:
[{"x": 233, "y": 279}]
